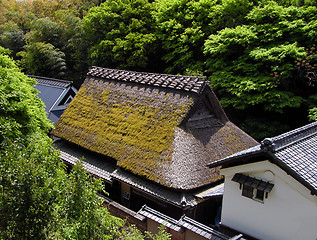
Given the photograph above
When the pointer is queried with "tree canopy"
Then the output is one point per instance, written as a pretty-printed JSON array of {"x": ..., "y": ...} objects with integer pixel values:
[
  {"x": 121, "y": 33},
  {"x": 258, "y": 55}
]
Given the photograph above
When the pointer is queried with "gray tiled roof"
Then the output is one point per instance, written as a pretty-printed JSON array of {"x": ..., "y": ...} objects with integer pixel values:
[
  {"x": 160, "y": 218},
  {"x": 87, "y": 166},
  {"x": 183, "y": 223},
  {"x": 51, "y": 92},
  {"x": 201, "y": 229},
  {"x": 90, "y": 163},
  {"x": 52, "y": 81},
  {"x": 187, "y": 83},
  {"x": 294, "y": 151},
  {"x": 298, "y": 150}
]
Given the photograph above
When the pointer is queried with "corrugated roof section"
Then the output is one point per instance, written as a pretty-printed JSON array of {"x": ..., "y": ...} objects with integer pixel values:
[
  {"x": 187, "y": 83},
  {"x": 214, "y": 191}
]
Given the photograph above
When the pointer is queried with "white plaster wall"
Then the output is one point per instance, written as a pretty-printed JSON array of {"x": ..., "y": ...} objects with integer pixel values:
[{"x": 289, "y": 212}]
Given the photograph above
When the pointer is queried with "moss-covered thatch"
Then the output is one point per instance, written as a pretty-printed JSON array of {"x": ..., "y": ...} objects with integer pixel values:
[
  {"x": 143, "y": 127},
  {"x": 126, "y": 123}
]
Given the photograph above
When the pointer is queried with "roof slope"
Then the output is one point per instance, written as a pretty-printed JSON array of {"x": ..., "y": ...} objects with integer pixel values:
[
  {"x": 52, "y": 81},
  {"x": 294, "y": 151},
  {"x": 182, "y": 224},
  {"x": 163, "y": 133},
  {"x": 50, "y": 90}
]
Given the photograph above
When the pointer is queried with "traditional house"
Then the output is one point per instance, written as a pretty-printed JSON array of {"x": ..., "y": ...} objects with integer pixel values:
[
  {"x": 270, "y": 189},
  {"x": 150, "y": 137},
  {"x": 56, "y": 95}
]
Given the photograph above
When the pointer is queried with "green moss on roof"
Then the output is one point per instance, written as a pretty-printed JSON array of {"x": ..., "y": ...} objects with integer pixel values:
[{"x": 133, "y": 126}]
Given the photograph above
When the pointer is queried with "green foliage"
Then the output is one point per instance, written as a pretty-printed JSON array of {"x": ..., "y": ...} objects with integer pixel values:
[
  {"x": 182, "y": 27},
  {"x": 121, "y": 33},
  {"x": 254, "y": 64},
  {"x": 313, "y": 114},
  {"x": 44, "y": 30},
  {"x": 79, "y": 213},
  {"x": 43, "y": 59},
  {"x": 56, "y": 22},
  {"x": 21, "y": 112},
  {"x": 28, "y": 188},
  {"x": 12, "y": 37},
  {"x": 297, "y": 2},
  {"x": 161, "y": 235},
  {"x": 263, "y": 126},
  {"x": 73, "y": 45}
]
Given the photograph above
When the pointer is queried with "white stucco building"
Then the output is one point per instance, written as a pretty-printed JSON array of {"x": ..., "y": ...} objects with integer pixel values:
[{"x": 271, "y": 190}]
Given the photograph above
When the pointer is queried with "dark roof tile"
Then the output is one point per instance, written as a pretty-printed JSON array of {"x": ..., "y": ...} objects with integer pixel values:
[
  {"x": 187, "y": 83},
  {"x": 201, "y": 229},
  {"x": 295, "y": 151},
  {"x": 52, "y": 81}
]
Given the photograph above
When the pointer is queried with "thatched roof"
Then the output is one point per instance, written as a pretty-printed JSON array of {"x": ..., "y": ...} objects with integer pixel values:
[{"x": 164, "y": 128}]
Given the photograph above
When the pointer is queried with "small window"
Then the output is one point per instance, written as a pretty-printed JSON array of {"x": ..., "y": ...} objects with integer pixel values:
[
  {"x": 253, "y": 188},
  {"x": 126, "y": 195},
  {"x": 259, "y": 195},
  {"x": 247, "y": 191}
]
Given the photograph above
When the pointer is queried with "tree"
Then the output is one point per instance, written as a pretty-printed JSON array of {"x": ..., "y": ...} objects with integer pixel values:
[
  {"x": 21, "y": 112},
  {"x": 74, "y": 44},
  {"x": 254, "y": 65},
  {"x": 121, "y": 34},
  {"x": 43, "y": 59},
  {"x": 12, "y": 37},
  {"x": 44, "y": 30},
  {"x": 183, "y": 27}
]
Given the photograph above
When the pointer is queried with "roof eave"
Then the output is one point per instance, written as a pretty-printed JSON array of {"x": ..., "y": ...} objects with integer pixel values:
[
  {"x": 238, "y": 160},
  {"x": 257, "y": 156}
]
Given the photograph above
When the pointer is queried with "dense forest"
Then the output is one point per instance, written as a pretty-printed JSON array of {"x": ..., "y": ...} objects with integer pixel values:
[{"x": 259, "y": 56}]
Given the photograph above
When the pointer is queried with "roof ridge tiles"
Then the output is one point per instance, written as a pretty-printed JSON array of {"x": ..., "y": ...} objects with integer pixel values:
[
  {"x": 289, "y": 138},
  {"x": 181, "y": 82},
  {"x": 51, "y": 81}
]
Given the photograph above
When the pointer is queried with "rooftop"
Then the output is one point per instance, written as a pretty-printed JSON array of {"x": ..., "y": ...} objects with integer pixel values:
[
  {"x": 52, "y": 81},
  {"x": 182, "y": 224},
  {"x": 188, "y": 83},
  {"x": 294, "y": 151},
  {"x": 163, "y": 134}
]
